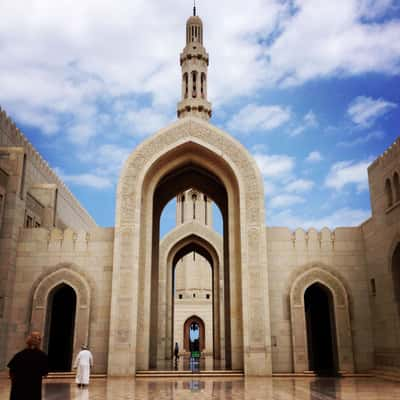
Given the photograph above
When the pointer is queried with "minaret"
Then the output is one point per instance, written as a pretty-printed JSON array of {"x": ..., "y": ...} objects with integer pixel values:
[{"x": 194, "y": 63}]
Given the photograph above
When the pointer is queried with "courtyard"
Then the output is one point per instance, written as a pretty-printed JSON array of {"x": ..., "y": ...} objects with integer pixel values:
[{"x": 219, "y": 388}]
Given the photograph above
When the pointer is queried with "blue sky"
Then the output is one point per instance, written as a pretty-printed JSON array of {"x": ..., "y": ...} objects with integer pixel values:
[{"x": 309, "y": 87}]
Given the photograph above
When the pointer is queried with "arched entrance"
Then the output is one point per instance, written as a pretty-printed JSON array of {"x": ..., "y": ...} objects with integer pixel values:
[
  {"x": 321, "y": 331},
  {"x": 184, "y": 239},
  {"x": 194, "y": 334},
  {"x": 61, "y": 327},
  {"x": 312, "y": 286},
  {"x": 189, "y": 154}
]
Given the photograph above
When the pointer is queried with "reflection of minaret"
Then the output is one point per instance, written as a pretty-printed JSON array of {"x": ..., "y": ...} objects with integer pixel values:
[{"x": 194, "y": 63}]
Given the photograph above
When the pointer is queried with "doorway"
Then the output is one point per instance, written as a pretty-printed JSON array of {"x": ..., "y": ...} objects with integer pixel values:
[
  {"x": 61, "y": 327},
  {"x": 321, "y": 337}
]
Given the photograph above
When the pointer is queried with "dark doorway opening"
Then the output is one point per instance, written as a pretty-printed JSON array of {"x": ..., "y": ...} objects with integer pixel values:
[
  {"x": 321, "y": 338},
  {"x": 61, "y": 324}
]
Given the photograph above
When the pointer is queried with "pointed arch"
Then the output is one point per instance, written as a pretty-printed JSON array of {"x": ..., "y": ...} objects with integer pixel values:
[
  {"x": 218, "y": 162},
  {"x": 40, "y": 296},
  {"x": 304, "y": 280},
  {"x": 194, "y": 319},
  {"x": 210, "y": 244}
]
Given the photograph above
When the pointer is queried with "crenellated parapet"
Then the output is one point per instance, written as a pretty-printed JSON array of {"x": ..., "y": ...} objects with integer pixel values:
[
  {"x": 312, "y": 239},
  {"x": 58, "y": 240},
  {"x": 388, "y": 156},
  {"x": 17, "y": 138}
]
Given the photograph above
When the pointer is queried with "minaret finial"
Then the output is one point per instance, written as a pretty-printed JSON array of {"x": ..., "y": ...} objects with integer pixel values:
[{"x": 194, "y": 8}]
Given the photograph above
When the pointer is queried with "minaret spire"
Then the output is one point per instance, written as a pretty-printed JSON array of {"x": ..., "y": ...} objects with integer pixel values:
[{"x": 194, "y": 63}]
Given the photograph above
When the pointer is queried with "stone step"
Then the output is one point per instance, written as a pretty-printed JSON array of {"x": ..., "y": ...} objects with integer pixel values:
[
  {"x": 71, "y": 375},
  {"x": 190, "y": 374}
]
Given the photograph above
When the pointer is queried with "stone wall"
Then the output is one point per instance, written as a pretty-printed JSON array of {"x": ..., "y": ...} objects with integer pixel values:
[
  {"x": 382, "y": 236},
  {"x": 341, "y": 254},
  {"x": 69, "y": 212},
  {"x": 46, "y": 258}
]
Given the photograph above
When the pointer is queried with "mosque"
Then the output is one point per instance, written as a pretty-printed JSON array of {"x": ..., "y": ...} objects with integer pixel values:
[{"x": 259, "y": 299}]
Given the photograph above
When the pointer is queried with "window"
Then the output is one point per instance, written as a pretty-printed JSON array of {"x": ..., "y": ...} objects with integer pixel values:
[
  {"x": 194, "y": 295},
  {"x": 28, "y": 221},
  {"x": 181, "y": 296},
  {"x": 186, "y": 84},
  {"x": 207, "y": 296},
  {"x": 396, "y": 185},
  {"x": 37, "y": 225},
  {"x": 205, "y": 210},
  {"x": 194, "y": 198},
  {"x": 389, "y": 193},
  {"x": 194, "y": 88},
  {"x": 373, "y": 287},
  {"x": 2, "y": 201},
  {"x": 183, "y": 210}
]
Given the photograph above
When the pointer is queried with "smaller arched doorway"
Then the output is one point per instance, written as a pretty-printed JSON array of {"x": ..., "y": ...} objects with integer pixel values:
[
  {"x": 60, "y": 327},
  {"x": 321, "y": 331},
  {"x": 194, "y": 334}
]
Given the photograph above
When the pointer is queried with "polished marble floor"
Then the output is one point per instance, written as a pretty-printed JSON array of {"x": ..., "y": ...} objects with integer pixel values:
[{"x": 222, "y": 388}]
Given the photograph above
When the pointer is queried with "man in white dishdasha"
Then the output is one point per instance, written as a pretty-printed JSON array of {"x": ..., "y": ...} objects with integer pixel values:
[{"x": 83, "y": 363}]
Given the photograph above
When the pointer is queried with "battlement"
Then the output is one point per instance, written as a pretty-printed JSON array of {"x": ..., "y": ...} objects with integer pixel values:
[
  {"x": 314, "y": 239},
  {"x": 391, "y": 153},
  {"x": 33, "y": 239},
  {"x": 8, "y": 126}
]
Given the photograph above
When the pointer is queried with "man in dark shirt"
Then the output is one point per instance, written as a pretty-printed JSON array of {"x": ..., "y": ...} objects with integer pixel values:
[{"x": 27, "y": 369}]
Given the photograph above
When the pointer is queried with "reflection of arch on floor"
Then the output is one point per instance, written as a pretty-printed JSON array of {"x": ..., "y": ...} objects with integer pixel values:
[
  {"x": 186, "y": 328},
  {"x": 183, "y": 239},
  {"x": 60, "y": 327},
  {"x": 321, "y": 331},
  {"x": 41, "y": 299},
  {"x": 312, "y": 275}
]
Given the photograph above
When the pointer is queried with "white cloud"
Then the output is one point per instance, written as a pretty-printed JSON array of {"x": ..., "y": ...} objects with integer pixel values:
[
  {"x": 86, "y": 179},
  {"x": 285, "y": 200},
  {"x": 255, "y": 117},
  {"x": 299, "y": 186},
  {"x": 339, "y": 218},
  {"x": 364, "y": 111},
  {"x": 314, "y": 157},
  {"x": 375, "y": 135},
  {"x": 309, "y": 121},
  {"x": 274, "y": 166},
  {"x": 324, "y": 39},
  {"x": 49, "y": 69},
  {"x": 348, "y": 173}
]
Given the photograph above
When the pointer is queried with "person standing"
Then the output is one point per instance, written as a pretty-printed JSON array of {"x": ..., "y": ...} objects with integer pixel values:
[
  {"x": 176, "y": 351},
  {"x": 27, "y": 368},
  {"x": 83, "y": 363}
]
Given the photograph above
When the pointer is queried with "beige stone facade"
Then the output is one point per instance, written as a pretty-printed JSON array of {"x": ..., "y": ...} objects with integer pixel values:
[{"x": 126, "y": 283}]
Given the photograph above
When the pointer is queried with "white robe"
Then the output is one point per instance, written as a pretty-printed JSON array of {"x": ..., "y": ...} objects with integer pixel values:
[{"x": 83, "y": 362}]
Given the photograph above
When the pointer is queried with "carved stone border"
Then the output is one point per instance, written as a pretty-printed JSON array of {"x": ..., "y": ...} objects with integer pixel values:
[
  {"x": 196, "y": 141},
  {"x": 83, "y": 296},
  {"x": 341, "y": 314}
]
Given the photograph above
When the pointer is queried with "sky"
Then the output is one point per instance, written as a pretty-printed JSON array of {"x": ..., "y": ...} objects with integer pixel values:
[{"x": 310, "y": 87}]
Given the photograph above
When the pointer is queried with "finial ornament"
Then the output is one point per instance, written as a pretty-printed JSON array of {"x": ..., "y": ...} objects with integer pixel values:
[{"x": 194, "y": 8}]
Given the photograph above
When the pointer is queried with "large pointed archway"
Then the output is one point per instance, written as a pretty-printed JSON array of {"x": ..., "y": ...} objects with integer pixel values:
[
  {"x": 189, "y": 154},
  {"x": 182, "y": 240}
]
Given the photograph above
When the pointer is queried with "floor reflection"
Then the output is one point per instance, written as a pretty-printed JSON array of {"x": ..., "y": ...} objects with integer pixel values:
[{"x": 219, "y": 388}]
